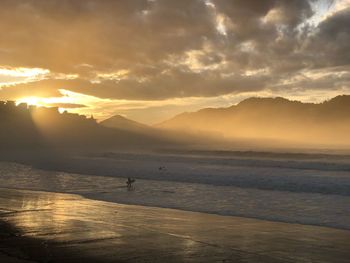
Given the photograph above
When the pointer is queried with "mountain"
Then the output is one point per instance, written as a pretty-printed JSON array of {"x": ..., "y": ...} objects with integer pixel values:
[
  {"x": 279, "y": 119},
  {"x": 174, "y": 138},
  {"x": 122, "y": 123},
  {"x": 29, "y": 127}
]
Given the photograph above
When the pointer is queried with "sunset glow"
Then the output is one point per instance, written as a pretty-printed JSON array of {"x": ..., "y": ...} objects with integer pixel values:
[
  {"x": 23, "y": 72},
  {"x": 175, "y": 131},
  {"x": 205, "y": 54}
]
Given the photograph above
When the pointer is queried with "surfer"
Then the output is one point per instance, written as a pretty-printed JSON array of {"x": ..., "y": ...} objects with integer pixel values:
[{"x": 129, "y": 182}]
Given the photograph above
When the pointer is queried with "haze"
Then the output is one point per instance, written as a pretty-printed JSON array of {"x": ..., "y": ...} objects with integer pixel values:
[{"x": 174, "y": 131}]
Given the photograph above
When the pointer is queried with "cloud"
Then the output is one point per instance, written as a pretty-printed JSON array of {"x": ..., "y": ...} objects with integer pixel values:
[
  {"x": 165, "y": 49},
  {"x": 165, "y": 85},
  {"x": 66, "y": 105},
  {"x": 329, "y": 46}
]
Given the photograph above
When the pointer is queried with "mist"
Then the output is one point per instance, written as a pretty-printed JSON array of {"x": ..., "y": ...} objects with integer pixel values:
[{"x": 274, "y": 122}]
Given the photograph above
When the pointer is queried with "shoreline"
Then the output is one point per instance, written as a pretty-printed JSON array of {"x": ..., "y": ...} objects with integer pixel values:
[
  {"x": 308, "y": 208},
  {"x": 67, "y": 228},
  {"x": 92, "y": 198}
]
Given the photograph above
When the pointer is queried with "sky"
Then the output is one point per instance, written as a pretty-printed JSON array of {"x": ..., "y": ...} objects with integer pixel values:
[{"x": 151, "y": 59}]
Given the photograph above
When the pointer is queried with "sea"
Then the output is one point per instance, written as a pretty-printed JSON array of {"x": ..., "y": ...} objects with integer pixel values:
[{"x": 308, "y": 189}]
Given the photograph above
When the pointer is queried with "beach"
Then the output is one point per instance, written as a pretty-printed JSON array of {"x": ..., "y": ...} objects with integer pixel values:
[
  {"x": 175, "y": 131},
  {"x": 235, "y": 207},
  {"x": 52, "y": 227}
]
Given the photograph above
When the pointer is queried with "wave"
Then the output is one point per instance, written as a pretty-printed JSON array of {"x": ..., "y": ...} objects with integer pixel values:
[{"x": 313, "y": 208}]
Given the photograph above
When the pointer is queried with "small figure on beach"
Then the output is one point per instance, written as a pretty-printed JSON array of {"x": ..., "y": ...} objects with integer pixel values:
[{"x": 129, "y": 183}]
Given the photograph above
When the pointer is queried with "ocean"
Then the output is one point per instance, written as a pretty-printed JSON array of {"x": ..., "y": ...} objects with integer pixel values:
[{"x": 309, "y": 189}]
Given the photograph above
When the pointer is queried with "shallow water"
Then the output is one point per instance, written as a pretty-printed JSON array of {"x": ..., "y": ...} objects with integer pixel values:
[
  {"x": 52, "y": 227},
  {"x": 277, "y": 193}
]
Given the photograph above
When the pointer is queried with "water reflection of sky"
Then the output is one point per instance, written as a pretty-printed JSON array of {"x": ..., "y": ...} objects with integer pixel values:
[{"x": 107, "y": 232}]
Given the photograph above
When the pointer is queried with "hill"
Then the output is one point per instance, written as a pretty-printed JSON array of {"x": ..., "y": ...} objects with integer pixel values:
[
  {"x": 32, "y": 127},
  {"x": 278, "y": 119},
  {"x": 174, "y": 139},
  {"x": 122, "y": 123}
]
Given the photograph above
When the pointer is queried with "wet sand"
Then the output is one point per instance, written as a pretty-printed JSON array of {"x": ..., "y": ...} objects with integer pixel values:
[{"x": 52, "y": 227}]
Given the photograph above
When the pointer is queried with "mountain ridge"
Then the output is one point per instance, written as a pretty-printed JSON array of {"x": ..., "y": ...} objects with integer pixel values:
[
  {"x": 272, "y": 118},
  {"x": 121, "y": 122}
]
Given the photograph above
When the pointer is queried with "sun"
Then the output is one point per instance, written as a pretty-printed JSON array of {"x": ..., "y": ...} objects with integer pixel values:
[
  {"x": 35, "y": 101},
  {"x": 47, "y": 101},
  {"x": 67, "y": 98}
]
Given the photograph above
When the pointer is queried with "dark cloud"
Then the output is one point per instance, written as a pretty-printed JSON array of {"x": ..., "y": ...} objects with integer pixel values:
[
  {"x": 61, "y": 35},
  {"x": 237, "y": 46},
  {"x": 163, "y": 86},
  {"x": 331, "y": 43}
]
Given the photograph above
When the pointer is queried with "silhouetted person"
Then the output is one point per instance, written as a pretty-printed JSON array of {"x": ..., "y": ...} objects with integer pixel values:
[{"x": 129, "y": 183}]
